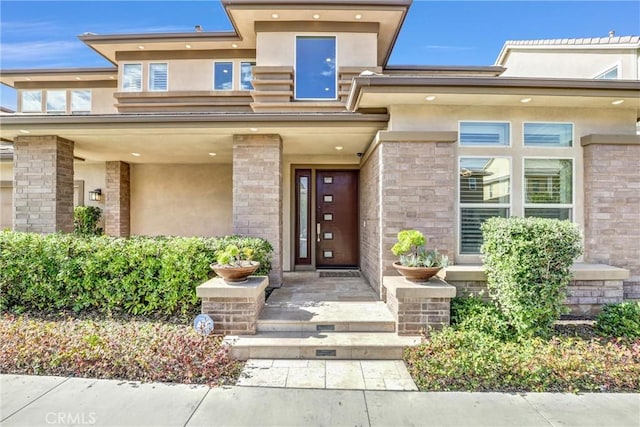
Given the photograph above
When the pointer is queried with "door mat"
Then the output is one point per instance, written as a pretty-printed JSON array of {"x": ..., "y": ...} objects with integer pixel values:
[{"x": 349, "y": 273}]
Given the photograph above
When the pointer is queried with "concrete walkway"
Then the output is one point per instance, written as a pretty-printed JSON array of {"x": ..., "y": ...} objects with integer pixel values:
[{"x": 46, "y": 401}]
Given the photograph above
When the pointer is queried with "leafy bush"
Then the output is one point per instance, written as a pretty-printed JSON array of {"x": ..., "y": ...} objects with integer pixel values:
[
  {"x": 472, "y": 313},
  {"x": 140, "y": 275},
  {"x": 620, "y": 320},
  {"x": 527, "y": 263},
  {"x": 474, "y": 361},
  {"x": 86, "y": 220},
  {"x": 131, "y": 350}
]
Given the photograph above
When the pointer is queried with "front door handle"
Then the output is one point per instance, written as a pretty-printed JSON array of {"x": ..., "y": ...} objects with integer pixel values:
[{"x": 318, "y": 231}]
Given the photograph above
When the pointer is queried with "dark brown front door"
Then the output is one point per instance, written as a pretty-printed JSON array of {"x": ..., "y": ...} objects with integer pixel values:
[{"x": 336, "y": 230}]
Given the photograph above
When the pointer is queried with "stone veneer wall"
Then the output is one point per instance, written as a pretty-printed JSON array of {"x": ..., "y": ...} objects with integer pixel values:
[
  {"x": 257, "y": 193},
  {"x": 43, "y": 184},
  {"x": 117, "y": 210},
  {"x": 370, "y": 220},
  {"x": 612, "y": 204}
]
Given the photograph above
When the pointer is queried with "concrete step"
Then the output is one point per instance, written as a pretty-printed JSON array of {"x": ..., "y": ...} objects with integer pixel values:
[
  {"x": 326, "y": 316},
  {"x": 323, "y": 345}
]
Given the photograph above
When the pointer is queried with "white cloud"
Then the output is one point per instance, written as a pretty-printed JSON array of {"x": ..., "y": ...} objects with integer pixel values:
[{"x": 39, "y": 51}]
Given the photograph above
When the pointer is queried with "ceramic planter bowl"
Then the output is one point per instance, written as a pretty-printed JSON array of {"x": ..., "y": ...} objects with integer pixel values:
[
  {"x": 234, "y": 275},
  {"x": 416, "y": 274}
]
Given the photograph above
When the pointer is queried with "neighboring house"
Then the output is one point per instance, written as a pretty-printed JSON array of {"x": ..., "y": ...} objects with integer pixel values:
[{"x": 293, "y": 127}]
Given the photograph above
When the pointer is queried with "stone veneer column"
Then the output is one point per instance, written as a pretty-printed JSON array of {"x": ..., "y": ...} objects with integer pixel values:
[
  {"x": 43, "y": 184},
  {"x": 117, "y": 199},
  {"x": 257, "y": 193},
  {"x": 416, "y": 177},
  {"x": 612, "y": 204}
]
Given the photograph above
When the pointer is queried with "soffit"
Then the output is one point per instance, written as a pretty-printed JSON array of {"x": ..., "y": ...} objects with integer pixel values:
[{"x": 11, "y": 77}]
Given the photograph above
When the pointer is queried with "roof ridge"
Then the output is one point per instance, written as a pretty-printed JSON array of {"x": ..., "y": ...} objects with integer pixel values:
[{"x": 630, "y": 39}]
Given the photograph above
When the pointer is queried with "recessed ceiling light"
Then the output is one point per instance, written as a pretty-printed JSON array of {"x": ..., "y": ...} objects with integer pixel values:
[
  {"x": 617, "y": 101},
  {"x": 78, "y": 78},
  {"x": 275, "y": 16},
  {"x": 112, "y": 78},
  {"x": 141, "y": 47},
  {"x": 339, "y": 148},
  {"x": 316, "y": 16},
  {"x": 24, "y": 131},
  {"x": 136, "y": 154},
  {"x": 27, "y": 78},
  {"x": 212, "y": 154},
  {"x": 358, "y": 16},
  {"x": 525, "y": 100},
  {"x": 253, "y": 129},
  {"x": 188, "y": 46},
  {"x": 234, "y": 45},
  {"x": 430, "y": 98}
]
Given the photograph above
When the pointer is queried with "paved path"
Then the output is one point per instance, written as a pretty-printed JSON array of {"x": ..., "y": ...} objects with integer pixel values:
[{"x": 47, "y": 401}]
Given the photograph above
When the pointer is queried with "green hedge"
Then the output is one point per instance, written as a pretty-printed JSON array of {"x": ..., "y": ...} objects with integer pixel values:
[
  {"x": 527, "y": 262},
  {"x": 620, "y": 320},
  {"x": 139, "y": 275}
]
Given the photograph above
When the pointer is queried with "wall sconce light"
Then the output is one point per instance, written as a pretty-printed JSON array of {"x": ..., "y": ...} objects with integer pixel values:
[{"x": 95, "y": 195}]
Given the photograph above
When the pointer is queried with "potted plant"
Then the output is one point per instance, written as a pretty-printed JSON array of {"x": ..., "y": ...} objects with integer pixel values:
[
  {"x": 417, "y": 264},
  {"x": 235, "y": 265}
]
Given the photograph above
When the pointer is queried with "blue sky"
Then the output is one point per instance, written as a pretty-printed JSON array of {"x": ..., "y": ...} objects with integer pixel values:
[{"x": 43, "y": 34}]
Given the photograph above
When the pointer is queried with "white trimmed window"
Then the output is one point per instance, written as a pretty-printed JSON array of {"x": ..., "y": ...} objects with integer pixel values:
[
  {"x": 246, "y": 75},
  {"x": 610, "y": 74},
  {"x": 80, "y": 101},
  {"x": 132, "y": 77},
  {"x": 56, "y": 101},
  {"x": 476, "y": 134},
  {"x": 548, "y": 135},
  {"x": 548, "y": 191},
  {"x": 316, "y": 68},
  {"x": 485, "y": 191},
  {"x": 223, "y": 75},
  {"x": 158, "y": 77},
  {"x": 31, "y": 101}
]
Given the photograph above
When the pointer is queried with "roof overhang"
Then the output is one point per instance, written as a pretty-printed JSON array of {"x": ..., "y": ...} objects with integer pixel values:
[
  {"x": 384, "y": 91},
  {"x": 13, "y": 77}
]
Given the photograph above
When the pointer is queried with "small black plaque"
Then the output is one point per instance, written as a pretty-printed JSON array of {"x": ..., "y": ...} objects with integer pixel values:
[
  {"x": 321, "y": 328},
  {"x": 325, "y": 353}
]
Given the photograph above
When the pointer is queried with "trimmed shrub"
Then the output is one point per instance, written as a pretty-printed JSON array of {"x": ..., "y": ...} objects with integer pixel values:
[
  {"x": 620, "y": 320},
  {"x": 86, "y": 219},
  {"x": 140, "y": 275},
  {"x": 527, "y": 263},
  {"x": 471, "y": 313}
]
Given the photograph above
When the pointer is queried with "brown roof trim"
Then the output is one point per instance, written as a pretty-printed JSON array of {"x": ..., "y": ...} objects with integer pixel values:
[
  {"x": 490, "y": 69},
  {"x": 600, "y": 139},
  {"x": 57, "y": 71},
  {"x": 276, "y": 3},
  {"x": 160, "y": 37},
  {"x": 395, "y": 82}
]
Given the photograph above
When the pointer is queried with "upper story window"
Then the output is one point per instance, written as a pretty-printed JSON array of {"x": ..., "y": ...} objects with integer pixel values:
[
  {"x": 315, "y": 74},
  {"x": 158, "y": 77},
  {"x": 80, "y": 101},
  {"x": 132, "y": 77},
  {"x": 32, "y": 101},
  {"x": 610, "y": 74},
  {"x": 57, "y": 101},
  {"x": 223, "y": 75},
  {"x": 484, "y": 134},
  {"x": 246, "y": 75},
  {"x": 548, "y": 134}
]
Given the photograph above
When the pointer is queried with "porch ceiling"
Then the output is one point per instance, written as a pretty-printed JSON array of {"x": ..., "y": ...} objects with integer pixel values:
[{"x": 191, "y": 142}]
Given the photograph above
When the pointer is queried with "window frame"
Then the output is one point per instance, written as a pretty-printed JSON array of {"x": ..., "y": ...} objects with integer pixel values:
[
  {"x": 510, "y": 134},
  {"x": 65, "y": 108},
  {"x": 149, "y": 65},
  {"x": 551, "y": 147},
  {"x": 22, "y": 92},
  {"x": 252, "y": 63},
  {"x": 124, "y": 66},
  {"x": 72, "y": 110},
  {"x": 617, "y": 67},
  {"x": 295, "y": 63},
  {"x": 523, "y": 195},
  {"x": 233, "y": 77}
]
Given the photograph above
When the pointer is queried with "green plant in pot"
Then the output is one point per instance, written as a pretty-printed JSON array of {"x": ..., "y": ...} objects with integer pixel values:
[
  {"x": 417, "y": 264},
  {"x": 235, "y": 265}
]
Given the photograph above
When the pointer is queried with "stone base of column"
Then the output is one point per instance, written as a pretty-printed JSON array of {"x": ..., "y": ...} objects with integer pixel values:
[
  {"x": 233, "y": 308},
  {"x": 418, "y": 308}
]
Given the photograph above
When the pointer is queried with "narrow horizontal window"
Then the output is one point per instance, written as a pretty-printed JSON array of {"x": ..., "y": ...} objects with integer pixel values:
[
  {"x": 56, "y": 101},
  {"x": 223, "y": 76},
  {"x": 484, "y": 133},
  {"x": 31, "y": 101},
  {"x": 158, "y": 77},
  {"x": 132, "y": 77},
  {"x": 611, "y": 74},
  {"x": 548, "y": 134},
  {"x": 246, "y": 75},
  {"x": 80, "y": 101}
]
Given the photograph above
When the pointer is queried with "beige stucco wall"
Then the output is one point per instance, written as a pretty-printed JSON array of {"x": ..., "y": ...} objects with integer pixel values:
[
  {"x": 182, "y": 200},
  {"x": 585, "y": 63},
  {"x": 353, "y": 49},
  {"x": 6, "y": 194}
]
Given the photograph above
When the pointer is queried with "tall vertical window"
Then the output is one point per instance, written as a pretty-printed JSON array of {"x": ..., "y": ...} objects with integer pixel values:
[
  {"x": 31, "y": 101},
  {"x": 132, "y": 77},
  {"x": 223, "y": 75},
  {"x": 484, "y": 134},
  {"x": 548, "y": 134},
  {"x": 303, "y": 220},
  {"x": 315, "y": 74},
  {"x": 548, "y": 188},
  {"x": 80, "y": 101},
  {"x": 246, "y": 75},
  {"x": 485, "y": 191},
  {"x": 56, "y": 101},
  {"x": 158, "y": 77}
]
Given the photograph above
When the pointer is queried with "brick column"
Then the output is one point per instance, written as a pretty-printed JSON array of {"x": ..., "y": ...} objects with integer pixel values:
[
  {"x": 117, "y": 199},
  {"x": 43, "y": 184},
  {"x": 612, "y": 204},
  {"x": 257, "y": 193},
  {"x": 416, "y": 177}
]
